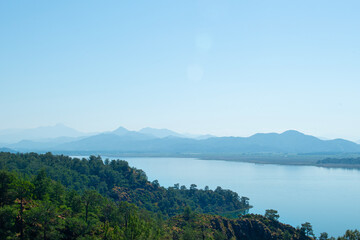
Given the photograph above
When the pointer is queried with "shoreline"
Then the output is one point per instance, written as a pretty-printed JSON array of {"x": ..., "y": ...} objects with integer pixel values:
[
  {"x": 343, "y": 166},
  {"x": 288, "y": 160}
]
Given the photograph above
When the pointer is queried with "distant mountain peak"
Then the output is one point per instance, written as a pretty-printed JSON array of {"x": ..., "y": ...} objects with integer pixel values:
[
  {"x": 160, "y": 133},
  {"x": 293, "y": 133},
  {"x": 120, "y": 131},
  {"x": 150, "y": 128}
]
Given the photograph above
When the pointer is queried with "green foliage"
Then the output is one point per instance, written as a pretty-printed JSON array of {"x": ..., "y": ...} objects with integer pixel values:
[
  {"x": 116, "y": 180},
  {"x": 90, "y": 200},
  {"x": 41, "y": 184},
  {"x": 350, "y": 235},
  {"x": 190, "y": 233},
  {"x": 188, "y": 214},
  {"x": 286, "y": 236},
  {"x": 272, "y": 214},
  {"x": 6, "y": 180},
  {"x": 306, "y": 228},
  {"x": 219, "y": 236},
  {"x": 323, "y": 236},
  {"x": 8, "y": 216},
  {"x": 203, "y": 226},
  {"x": 59, "y": 213},
  {"x": 43, "y": 221}
]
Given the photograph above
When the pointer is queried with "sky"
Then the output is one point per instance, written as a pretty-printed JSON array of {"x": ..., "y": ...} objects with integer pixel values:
[{"x": 228, "y": 68}]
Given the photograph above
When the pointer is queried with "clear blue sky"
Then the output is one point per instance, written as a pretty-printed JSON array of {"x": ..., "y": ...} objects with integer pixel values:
[{"x": 218, "y": 67}]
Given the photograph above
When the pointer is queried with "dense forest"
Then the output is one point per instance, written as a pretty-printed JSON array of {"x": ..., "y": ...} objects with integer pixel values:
[
  {"x": 119, "y": 182},
  {"x": 44, "y": 196}
]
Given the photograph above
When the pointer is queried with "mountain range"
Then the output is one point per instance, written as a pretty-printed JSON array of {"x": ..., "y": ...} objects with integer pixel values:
[{"x": 164, "y": 141}]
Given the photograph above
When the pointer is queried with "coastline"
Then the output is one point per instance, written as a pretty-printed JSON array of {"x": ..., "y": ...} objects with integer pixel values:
[{"x": 274, "y": 159}]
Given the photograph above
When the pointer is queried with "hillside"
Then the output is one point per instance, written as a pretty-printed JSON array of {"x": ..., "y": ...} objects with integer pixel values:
[
  {"x": 56, "y": 197},
  {"x": 247, "y": 227},
  {"x": 117, "y": 180}
]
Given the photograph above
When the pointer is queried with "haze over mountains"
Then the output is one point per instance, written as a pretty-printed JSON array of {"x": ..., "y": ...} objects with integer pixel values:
[
  {"x": 60, "y": 138},
  {"x": 48, "y": 133}
]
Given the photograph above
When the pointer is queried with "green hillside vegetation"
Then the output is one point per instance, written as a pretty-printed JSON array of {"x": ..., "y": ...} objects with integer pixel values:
[
  {"x": 58, "y": 197},
  {"x": 41, "y": 208},
  {"x": 116, "y": 180}
]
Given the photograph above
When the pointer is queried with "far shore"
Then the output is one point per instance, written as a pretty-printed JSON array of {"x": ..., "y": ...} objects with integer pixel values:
[
  {"x": 276, "y": 159},
  {"x": 300, "y": 163}
]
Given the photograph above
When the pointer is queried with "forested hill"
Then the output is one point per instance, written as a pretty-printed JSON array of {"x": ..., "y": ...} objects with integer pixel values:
[
  {"x": 117, "y": 180},
  {"x": 57, "y": 197}
]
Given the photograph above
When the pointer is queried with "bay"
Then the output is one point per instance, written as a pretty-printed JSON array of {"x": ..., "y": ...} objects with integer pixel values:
[{"x": 328, "y": 198}]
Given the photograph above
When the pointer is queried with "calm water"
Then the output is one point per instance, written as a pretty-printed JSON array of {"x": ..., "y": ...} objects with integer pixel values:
[{"x": 327, "y": 198}]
